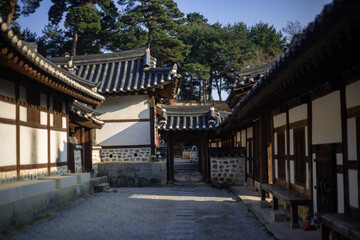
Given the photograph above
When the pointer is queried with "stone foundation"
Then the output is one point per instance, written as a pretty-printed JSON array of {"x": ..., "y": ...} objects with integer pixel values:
[
  {"x": 132, "y": 174},
  {"x": 230, "y": 170},
  {"x": 126, "y": 155},
  {"x": 33, "y": 174}
]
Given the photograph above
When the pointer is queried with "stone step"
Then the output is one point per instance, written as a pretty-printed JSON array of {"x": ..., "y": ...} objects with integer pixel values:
[
  {"x": 102, "y": 187},
  {"x": 111, "y": 190}
]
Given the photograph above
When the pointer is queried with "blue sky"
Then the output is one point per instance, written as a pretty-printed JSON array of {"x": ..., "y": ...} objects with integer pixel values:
[{"x": 274, "y": 12}]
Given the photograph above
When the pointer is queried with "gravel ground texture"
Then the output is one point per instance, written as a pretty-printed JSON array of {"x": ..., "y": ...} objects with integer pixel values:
[{"x": 178, "y": 212}]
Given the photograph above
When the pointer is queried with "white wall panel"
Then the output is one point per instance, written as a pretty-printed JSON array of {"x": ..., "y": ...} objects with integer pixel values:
[
  {"x": 43, "y": 118},
  {"x": 8, "y": 144},
  {"x": 243, "y": 138},
  {"x": 291, "y": 142},
  {"x": 339, "y": 159},
  {"x": 127, "y": 133},
  {"x": 280, "y": 120},
  {"x": 298, "y": 113},
  {"x": 7, "y": 88},
  {"x": 125, "y": 107},
  {"x": 292, "y": 172},
  {"x": 63, "y": 122},
  {"x": 249, "y": 132},
  {"x": 306, "y": 142},
  {"x": 276, "y": 169},
  {"x": 58, "y": 146},
  {"x": 51, "y": 119},
  {"x": 351, "y": 139},
  {"x": 23, "y": 113},
  {"x": 7, "y": 110},
  {"x": 275, "y": 143},
  {"x": 286, "y": 172},
  {"x": 353, "y": 188},
  {"x": 307, "y": 176},
  {"x": 33, "y": 145},
  {"x": 352, "y": 94},
  {"x": 326, "y": 119},
  {"x": 340, "y": 192}
]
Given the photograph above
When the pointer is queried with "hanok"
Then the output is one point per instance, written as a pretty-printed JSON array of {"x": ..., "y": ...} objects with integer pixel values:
[
  {"x": 191, "y": 125},
  {"x": 301, "y": 123},
  {"x": 35, "y": 96},
  {"x": 132, "y": 85}
]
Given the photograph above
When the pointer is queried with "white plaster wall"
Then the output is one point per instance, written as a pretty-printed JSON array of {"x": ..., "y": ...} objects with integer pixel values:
[
  {"x": 243, "y": 138},
  {"x": 249, "y": 132},
  {"x": 306, "y": 142},
  {"x": 213, "y": 144},
  {"x": 352, "y": 94},
  {"x": 51, "y": 120},
  {"x": 291, "y": 142},
  {"x": 340, "y": 192},
  {"x": 23, "y": 114},
  {"x": 276, "y": 169},
  {"x": 63, "y": 122},
  {"x": 279, "y": 120},
  {"x": 307, "y": 176},
  {"x": 292, "y": 175},
  {"x": 339, "y": 159},
  {"x": 7, "y": 88},
  {"x": 351, "y": 138},
  {"x": 275, "y": 144},
  {"x": 353, "y": 188},
  {"x": 298, "y": 113},
  {"x": 33, "y": 145},
  {"x": 58, "y": 146},
  {"x": 8, "y": 144},
  {"x": 286, "y": 172},
  {"x": 326, "y": 119},
  {"x": 125, "y": 107},
  {"x": 314, "y": 182},
  {"x": 7, "y": 110},
  {"x": 127, "y": 133},
  {"x": 43, "y": 118}
]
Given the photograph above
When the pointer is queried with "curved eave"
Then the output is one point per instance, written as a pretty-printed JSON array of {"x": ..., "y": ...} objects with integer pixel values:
[{"x": 18, "y": 57}]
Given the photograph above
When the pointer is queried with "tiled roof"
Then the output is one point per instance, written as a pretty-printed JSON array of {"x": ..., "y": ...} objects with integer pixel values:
[
  {"x": 327, "y": 40},
  {"x": 185, "y": 118},
  {"x": 133, "y": 70},
  {"x": 86, "y": 112},
  {"x": 40, "y": 67}
]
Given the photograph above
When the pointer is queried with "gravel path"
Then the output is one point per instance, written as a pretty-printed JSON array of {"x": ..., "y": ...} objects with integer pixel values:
[{"x": 179, "y": 212}]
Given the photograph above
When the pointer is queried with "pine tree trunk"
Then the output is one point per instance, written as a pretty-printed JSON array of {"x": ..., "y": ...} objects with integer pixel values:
[
  {"x": 74, "y": 43},
  {"x": 12, "y": 6}
]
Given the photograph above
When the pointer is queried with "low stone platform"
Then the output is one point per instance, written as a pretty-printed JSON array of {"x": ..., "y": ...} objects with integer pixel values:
[
  {"x": 62, "y": 181},
  {"x": 133, "y": 174}
]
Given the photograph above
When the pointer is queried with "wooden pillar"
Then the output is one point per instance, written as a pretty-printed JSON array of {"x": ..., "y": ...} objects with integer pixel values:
[
  {"x": 170, "y": 158},
  {"x": 152, "y": 125}
]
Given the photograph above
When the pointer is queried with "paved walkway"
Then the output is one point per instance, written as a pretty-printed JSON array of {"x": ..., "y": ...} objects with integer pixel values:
[{"x": 179, "y": 212}]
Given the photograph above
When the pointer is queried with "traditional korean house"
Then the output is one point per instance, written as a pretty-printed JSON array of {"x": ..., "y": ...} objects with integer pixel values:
[
  {"x": 300, "y": 124},
  {"x": 132, "y": 85},
  {"x": 35, "y": 98},
  {"x": 191, "y": 125}
]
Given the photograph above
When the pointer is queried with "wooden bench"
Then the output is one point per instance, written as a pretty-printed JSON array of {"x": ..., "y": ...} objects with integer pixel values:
[
  {"x": 291, "y": 198},
  {"x": 346, "y": 225}
]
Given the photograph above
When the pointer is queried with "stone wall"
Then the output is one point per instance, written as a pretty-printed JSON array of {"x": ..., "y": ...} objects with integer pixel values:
[
  {"x": 126, "y": 154},
  {"x": 132, "y": 174},
  {"x": 96, "y": 159},
  {"x": 230, "y": 170},
  {"x": 77, "y": 158}
]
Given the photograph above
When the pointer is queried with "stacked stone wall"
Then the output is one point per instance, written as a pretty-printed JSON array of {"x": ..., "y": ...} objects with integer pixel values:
[
  {"x": 230, "y": 170},
  {"x": 133, "y": 174},
  {"x": 126, "y": 154}
]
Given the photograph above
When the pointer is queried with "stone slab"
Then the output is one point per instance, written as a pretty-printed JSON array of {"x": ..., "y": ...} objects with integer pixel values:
[
  {"x": 62, "y": 181},
  {"x": 102, "y": 187},
  {"x": 278, "y": 216},
  {"x": 81, "y": 177},
  {"x": 20, "y": 190}
]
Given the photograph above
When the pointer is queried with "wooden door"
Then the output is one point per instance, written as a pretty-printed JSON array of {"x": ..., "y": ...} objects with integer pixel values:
[{"x": 326, "y": 178}]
